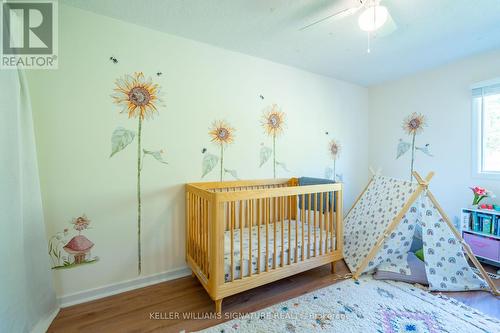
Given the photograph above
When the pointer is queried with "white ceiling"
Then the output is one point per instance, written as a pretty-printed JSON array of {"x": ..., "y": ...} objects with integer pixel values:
[{"x": 429, "y": 33}]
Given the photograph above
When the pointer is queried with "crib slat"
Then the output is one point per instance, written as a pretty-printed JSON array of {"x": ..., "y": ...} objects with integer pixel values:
[
  {"x": 240, "y": 211},
  {"x": 205, "y": 225},
  {"x": 250, "y": 222},
  {"x": 289, "y": 206},
  {"x": 259, "y": 222},
  {"x": 191, "y": 236},
  {"x": 315, "y": 219},
  {"x": 232, "y": 240},
  {"x": 188, "y": 219},
  {"x": 268, "y": 216},
  {"x": 309, "y": 226},
  {"x": 198, "y": 230},
  {"x": 296, "y": 218},
  {"x": 332, "y": 228},
  {"x": 282, "y": 218},
  {"x": 195, "y": 228},
  {"x": 276, "y": 204},
  {"x": 321, "y": 212},
  {"x": 327, "y": 219},
  {"x": 338, "y": 218},
  {"x": 302, "y": 221},
  {"x": 200, "y": 233}
]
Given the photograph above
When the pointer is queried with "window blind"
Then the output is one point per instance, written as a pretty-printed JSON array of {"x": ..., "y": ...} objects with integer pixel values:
[{"x": 486, "y": 90}]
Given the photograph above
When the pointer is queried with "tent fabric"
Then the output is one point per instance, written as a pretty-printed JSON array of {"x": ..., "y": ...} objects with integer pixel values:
[
  {"x": 445, "y": 264},
  {"x": 393, "y": 256},
  {"x": 369, "y": 218}
]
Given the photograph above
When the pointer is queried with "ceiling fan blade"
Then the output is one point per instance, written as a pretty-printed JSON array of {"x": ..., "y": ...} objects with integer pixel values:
[
  {"x": 337, "y": 15},
  {"x": 388, "y": 28}
]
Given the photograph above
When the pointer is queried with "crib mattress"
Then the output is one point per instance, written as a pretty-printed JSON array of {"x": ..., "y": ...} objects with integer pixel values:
[{"x": 292, "y": 225}]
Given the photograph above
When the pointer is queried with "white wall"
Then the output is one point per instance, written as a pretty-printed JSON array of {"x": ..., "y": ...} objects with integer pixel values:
[
  {"x": 74, "y": 119},
  {"x": 443, "y": 96}
]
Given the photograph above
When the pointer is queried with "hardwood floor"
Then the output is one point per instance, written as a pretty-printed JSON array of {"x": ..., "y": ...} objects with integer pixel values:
[{"x": 148, "y": 309}]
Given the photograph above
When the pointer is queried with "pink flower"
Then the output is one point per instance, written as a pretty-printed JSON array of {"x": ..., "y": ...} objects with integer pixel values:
[
  {"x": 480, "y": 193},
  {"x": 479, "y": 190}
]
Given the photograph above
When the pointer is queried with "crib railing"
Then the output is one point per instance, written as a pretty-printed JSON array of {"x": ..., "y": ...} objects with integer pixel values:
[{"x": 244, "y": 229}]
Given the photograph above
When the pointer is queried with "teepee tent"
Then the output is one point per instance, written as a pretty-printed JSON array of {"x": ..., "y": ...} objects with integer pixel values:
[{"x": 379, "y": 229}]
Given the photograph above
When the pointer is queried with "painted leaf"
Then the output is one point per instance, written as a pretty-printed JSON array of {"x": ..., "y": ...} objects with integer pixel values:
[
  {"x": 282, "y": 165},
  {"x": 403, "y": 147},
  {"x": 425, "y": 149},
  {"x": 232, "y": 173},
  {"x": 265, "y": 154},
  {"x": 156, "y": 154},
  {"x": 120, "y": 139},
  {"x": 209, "y": 163},
  {"x": 328, "y": 173}
]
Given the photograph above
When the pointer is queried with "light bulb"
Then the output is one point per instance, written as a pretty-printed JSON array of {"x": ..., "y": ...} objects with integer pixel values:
[{"x": 373, "y": 18}]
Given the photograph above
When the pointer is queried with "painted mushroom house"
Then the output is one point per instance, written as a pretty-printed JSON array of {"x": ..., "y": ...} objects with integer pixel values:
[{"x": 78, "y": 246}]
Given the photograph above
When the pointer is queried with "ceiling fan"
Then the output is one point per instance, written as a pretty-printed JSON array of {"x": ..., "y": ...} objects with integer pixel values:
[{"x": 372, "y": 17}]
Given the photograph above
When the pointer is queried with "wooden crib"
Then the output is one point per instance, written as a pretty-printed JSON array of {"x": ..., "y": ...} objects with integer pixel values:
[{"x": 243, "y": 234}]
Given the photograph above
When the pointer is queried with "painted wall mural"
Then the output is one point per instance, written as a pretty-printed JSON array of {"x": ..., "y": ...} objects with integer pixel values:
[
  {"x": 222, "y": 134},
  {"x": 334, "y": 149},
  {"x": 140, "y": 99},
  {"x": 273, "y": 122},
  {"x": 413, "y": 124},
  {"x": 68, "y": 249}
]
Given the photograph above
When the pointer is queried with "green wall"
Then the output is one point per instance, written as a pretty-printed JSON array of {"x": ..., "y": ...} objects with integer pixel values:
[{"x": 74, "y": 118}]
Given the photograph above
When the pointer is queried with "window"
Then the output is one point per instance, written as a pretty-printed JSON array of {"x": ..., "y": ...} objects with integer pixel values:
[{"x": 486, "y": 130}]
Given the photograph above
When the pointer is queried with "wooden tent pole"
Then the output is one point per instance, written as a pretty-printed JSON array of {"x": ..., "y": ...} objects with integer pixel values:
[
  {"x": 466, "y": 246},
  {"x": 394, "y": 223}
]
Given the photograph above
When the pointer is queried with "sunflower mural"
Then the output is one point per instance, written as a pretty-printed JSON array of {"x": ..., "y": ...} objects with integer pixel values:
[
  {"x": 413, "y": 125},
  {"x": 273, "y": 122},
  {"x": 334, "y": 149},
  {"x": 139, "y": 98},
  {"x": 222, "y": 134}
]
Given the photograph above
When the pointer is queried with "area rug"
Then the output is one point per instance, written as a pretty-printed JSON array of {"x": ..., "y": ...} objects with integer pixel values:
[{"x": 365, "y": 305}]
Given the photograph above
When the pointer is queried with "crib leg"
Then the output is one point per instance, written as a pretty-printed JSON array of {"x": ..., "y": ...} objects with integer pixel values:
[
  {"x": 218, "y": 305},
  {"x": 332, "y": 267}
]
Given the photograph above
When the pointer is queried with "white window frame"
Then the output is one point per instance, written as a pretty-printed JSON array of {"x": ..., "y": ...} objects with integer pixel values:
[{"x": 477, "y": 132}]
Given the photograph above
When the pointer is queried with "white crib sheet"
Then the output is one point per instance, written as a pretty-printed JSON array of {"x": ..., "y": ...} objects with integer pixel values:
[{"x": 326, "y": 241}]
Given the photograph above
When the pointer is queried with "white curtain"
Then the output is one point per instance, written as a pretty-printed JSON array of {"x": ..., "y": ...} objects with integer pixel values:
[{"x": 27, "y": 298}]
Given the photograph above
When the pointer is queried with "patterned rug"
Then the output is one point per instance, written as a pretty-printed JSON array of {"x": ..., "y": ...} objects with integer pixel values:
[{"x": 365, "y": 305}]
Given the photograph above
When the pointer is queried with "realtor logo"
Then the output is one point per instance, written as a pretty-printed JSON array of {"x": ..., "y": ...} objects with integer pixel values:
[{"x": 29, "y": 35}]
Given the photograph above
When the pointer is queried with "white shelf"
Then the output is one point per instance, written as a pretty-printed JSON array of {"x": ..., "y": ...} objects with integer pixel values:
[
  {"x": 466, "y": 227},
  {"x": 484, "y": 211},
  {"x": 481, "y": 234}
]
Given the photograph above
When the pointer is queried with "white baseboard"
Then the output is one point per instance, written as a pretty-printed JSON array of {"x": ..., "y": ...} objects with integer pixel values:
[
  {"x": 43, "y": 325},
  {"x": 120, "y": 287}
]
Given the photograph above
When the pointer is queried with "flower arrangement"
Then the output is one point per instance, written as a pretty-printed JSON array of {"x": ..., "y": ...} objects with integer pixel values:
[
  {"x": 413, "y": 124},
  {"x": 140, "y": 99},
  {"x": 480, "y": 193},
  {"x": 273, "y": 122}
]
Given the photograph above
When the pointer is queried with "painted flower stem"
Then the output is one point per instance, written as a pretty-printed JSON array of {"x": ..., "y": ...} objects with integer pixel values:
[
  {"x": 221, "y": 161},
  {"x": 274, "y": 156},
  {"x": 335, "y": 170},
  {"x": 139, "y": 167},
  {"x": 412, "y": 156}
]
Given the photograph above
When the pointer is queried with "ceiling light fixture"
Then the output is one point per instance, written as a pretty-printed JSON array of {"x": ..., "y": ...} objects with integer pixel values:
[{"x": 373, "y": 18}]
